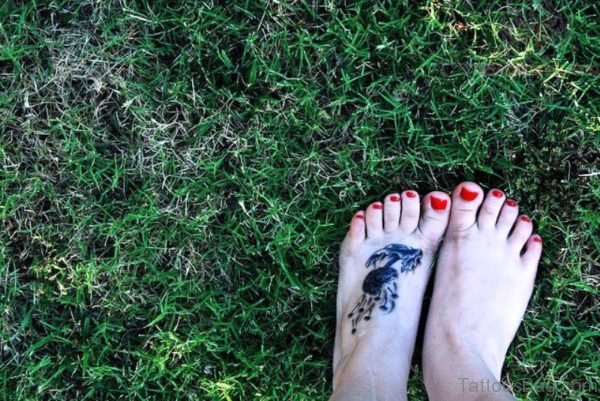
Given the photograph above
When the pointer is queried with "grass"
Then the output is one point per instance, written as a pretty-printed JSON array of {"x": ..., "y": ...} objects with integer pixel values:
[{"x": 176, "y": 177}]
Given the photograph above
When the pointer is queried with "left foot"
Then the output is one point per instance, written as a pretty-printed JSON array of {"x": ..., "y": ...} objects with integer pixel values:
[{"x": 385, "y": 263}]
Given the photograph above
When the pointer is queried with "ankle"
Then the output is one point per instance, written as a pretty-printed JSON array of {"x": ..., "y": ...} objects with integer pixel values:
[
  {"x": 370, "y": 381},
  {"x": 374, "y": 367},
  {"x": 364, "y": 392},
  {"x": 461, "y": 372},
  {"x": 468, "y": 346}
]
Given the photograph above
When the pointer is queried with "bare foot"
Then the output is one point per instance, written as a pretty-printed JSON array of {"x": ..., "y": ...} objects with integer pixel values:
[
  {"x": 483, "y": 282},
  {"x": 385, "y": 263}
]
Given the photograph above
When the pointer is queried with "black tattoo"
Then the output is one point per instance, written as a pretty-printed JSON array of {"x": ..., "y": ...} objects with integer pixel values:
[{"x": 380, "y": 286}]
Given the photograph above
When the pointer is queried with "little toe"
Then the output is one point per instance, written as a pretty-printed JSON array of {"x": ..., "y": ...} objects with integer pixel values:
[
  {"x": 411, "y": 209},
  {"x": 508, "y": 215},
  {"x": 356, "y": 233},
  {"x": 374, "y": 219},
  {"x": 521, "y": 232},
  {"x": 436, "y": 211},
  {"x": 391, "y": 212},
  {"x": 533, "y": 251},
  {"x": 466, "y": 199},
  {"x": 490, "y": 209}
]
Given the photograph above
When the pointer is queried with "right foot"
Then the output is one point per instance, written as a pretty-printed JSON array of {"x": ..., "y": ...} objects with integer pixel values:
[{"x": 484, "y": 279}]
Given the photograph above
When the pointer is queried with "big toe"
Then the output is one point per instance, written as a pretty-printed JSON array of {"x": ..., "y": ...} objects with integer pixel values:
[
  {"x": 436, "y": 211},
  {"x": 466, "y": 199}
]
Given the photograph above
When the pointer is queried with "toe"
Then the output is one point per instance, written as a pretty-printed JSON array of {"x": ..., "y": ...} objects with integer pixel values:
[
  {"x": 521, "y": 232},
  {"x": 490, "y": 209},
  {"x": 466, "y": 199},
  {"x": 391, "y": 212},
  {"x": 508, "y": 215},
  {"x": 409, "y": 219},
  {"x": 374, "y": 220},
  {"x": 356, "y": 233},
  {"x": 532, "y": 254},
  {"x": 436, "y": 211}
]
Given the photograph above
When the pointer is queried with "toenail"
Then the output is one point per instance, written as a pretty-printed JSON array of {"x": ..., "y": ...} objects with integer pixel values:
[
  {"x": 377, "y": 206},
  {"x": 525, "y": 218},
  {"x": 537, "y": 239},
  {"x": 359, "y": 216},
  {"x": 511, "y": 203},
  {"x": 437, "y": 203},
  {"x": 411, "y": 194},
  {"x": 497, "y": 194},
  {"x": 468, "y": 195},
  {"x": 395, "y": 198}
]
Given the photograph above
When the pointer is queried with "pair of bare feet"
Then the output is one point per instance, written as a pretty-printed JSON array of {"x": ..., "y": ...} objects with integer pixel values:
[{"x": 484, "y": 279}]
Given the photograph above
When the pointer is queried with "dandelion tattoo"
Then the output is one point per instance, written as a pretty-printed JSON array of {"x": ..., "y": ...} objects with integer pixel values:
[{"x": 379, "y": 287}]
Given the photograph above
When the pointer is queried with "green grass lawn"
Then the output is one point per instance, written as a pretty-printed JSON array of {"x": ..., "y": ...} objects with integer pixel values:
[{"x": 177, "y": 176}]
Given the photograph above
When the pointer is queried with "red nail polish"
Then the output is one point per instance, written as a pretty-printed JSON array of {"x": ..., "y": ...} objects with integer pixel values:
[
  {"x": 437, "y": 203},
  {"x": 378, "y": 206},
  {"x": 395, "y": 198},
  {"x": 537, "y": 239},
  {"x": 525, "y": 218},
  {"x": 359, "y": 216},
  {"x": 468, "y": 195},
  {"x": 511, "y": 203},
  {"x": 497, "y": 194},
  {"x": 411, "y": 194}
]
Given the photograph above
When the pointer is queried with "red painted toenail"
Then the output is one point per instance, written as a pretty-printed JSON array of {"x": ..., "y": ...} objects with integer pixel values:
[
  {"x": 411, "y": 194},
  {"x": 537, "y": 239},
  {"x": 377, "y": 206},
  {"x": 497, "y": 194},
  {"x": 511, "y": 203},
  {"x": 468, "y": 195},
  {"x": 525, "y": 218},
  {"x": 359, "y": 216},
  {"x": 438, "y": 204},
  {"x": 395, "y": 198}
]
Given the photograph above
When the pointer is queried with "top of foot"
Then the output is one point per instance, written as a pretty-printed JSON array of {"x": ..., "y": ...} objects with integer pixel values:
[
  {"x": 484, "y": 279},
  {"x": 385, "y": 263}
]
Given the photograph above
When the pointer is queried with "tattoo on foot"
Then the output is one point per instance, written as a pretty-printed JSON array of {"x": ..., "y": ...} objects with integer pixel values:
[{"x": 379, "y": 287}]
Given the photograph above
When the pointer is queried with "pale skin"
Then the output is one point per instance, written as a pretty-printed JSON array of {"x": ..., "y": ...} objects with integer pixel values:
[{"x": 484, "y": 278}]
